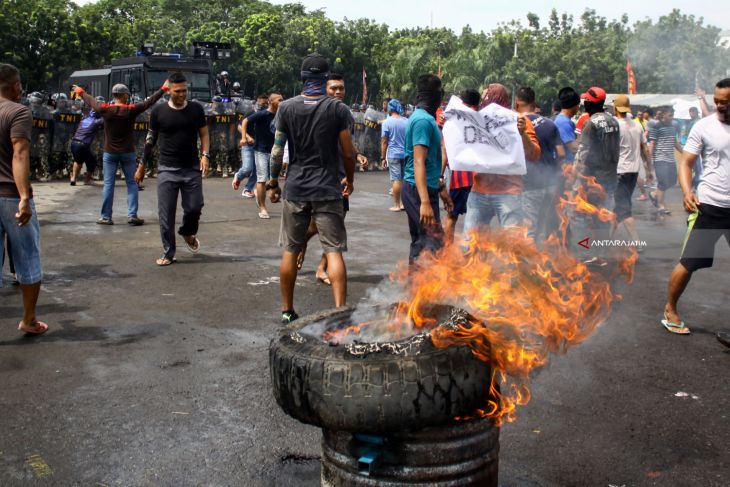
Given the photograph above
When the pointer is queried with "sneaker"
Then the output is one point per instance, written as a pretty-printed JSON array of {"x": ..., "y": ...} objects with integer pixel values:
[
  {"x": 288, "y": 316},
  {"x": 105, "y": 221},
  {"x": 134, "y": 221},
  {"x": 247, "y": 194}
]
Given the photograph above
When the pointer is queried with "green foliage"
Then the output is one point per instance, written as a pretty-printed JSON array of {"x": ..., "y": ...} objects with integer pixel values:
[{"x": 47, "y": 39}]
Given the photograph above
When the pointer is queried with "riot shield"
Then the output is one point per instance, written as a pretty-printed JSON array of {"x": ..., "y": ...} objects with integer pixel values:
[
  {"x": 65, "y": 121},
  {"x": 40, "y": 146},
  {"x": 371, "y": 139},
  {"x": 221, "y": 119},
  {"x": 358, "y": 135}
]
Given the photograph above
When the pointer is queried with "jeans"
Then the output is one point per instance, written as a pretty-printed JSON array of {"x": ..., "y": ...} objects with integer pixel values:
[
  {"x": 263, "y": 166},
  {"x": 480, "y": 208},
  {"x": 422, "y": 238},
  {"x": 248, "y": 168},
  {"x": 189, "y": 184},
  {"x": 129, "y": 164},
  {"x": 539, "y": 208},
  {"x": 24, "y": 242}
]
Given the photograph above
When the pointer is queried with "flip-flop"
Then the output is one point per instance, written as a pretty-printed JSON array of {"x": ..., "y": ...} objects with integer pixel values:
[
  {"x": 679, "y": 329},
  {"x": 41, "y": 328},
  {"x": 164, "y": 261},
  {"x": 195, "y": 248},
  {"x": 264, "y": 216}
]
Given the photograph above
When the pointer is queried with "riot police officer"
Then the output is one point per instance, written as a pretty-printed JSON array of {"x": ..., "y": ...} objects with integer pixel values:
[{"x": 41, "y": 136}]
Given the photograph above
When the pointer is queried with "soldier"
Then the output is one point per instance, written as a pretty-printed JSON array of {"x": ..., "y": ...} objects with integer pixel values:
[
  {"x": 370, "y": 144},
  {"x": 65, "y": 121},
  {"x": 41, "y": 136},
  {"x": 221, "y": 127}
]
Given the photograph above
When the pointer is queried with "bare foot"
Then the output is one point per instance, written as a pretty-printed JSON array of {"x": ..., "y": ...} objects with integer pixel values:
[
  {"x": 322, "y": 277},
  {"x": 671, "y": 315}
]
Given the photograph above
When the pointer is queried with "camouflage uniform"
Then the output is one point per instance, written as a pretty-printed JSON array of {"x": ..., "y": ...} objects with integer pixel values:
[
  {"x": 41, "y": 136},
  {"x": 221, "y": 121},
  {"x": 66, "y": 119},
  {"x": 371, "y": 139}
]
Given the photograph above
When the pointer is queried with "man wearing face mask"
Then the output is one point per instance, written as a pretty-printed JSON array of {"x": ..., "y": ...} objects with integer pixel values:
[
  {"x": 422, "y": 170},
  {"x": 709, "y": 208}
]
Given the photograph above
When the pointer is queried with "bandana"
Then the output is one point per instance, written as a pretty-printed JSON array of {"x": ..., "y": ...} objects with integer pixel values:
[
  {"x": 395, "y": 106},
  {"x": 314, "y": 84}
]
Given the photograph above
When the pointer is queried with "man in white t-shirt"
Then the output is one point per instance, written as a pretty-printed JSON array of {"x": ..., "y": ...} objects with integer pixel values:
[
  {"x": 709, "y": 209},
  {"x": 633, "y": 151}
]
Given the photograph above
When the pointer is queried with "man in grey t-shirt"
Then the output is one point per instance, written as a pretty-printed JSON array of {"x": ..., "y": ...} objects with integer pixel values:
[
  {"x": 18, "y": 219},
  {"x": 316, "y": 126}
]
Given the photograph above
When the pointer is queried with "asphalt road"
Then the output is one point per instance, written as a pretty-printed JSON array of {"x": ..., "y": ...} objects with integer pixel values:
[{"x": 156, "y": 377}]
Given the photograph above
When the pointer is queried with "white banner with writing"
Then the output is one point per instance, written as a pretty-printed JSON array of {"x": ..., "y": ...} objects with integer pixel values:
[{"x": 486, "y": 141}]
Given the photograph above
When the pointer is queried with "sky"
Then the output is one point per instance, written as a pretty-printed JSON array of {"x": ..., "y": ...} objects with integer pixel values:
[{"x": 485, "y": 15}]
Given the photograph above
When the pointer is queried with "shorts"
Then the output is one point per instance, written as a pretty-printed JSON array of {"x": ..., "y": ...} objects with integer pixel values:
[
  {"x": 704, "y": 229},
  {"x": 395, "y": 167},
  {"x": 622, "y": 197},
  {"x": 459, "y": 196},
  {"x": 328, "y": 217},
  {"x": 263, "y": 172},
  {"x": 82, "y": 155},
  {"x": 25, "y": 242},
  {"x": 666, "y": 175}
]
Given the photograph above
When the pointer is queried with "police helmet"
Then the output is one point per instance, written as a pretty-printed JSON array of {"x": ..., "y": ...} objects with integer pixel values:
[
  {"x": 224, "y": 74},
  {"x": 100, "y": 99},
  {"x": 217, "y": 98},
  {"x": 236, "y": 86}
]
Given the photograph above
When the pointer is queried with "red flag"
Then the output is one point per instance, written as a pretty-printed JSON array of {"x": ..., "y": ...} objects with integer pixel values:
[
  {"x": 364, "y": 86},
  {"x": 632, "y": 78}
]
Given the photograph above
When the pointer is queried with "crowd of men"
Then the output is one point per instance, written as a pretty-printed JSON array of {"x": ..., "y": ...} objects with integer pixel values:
[{"x": 310, "y": 138}]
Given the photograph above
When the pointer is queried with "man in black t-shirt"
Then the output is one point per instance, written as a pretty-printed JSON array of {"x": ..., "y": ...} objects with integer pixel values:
[
  {"x": 178, "y": 124},
  {"x": 316, "y": 126}
]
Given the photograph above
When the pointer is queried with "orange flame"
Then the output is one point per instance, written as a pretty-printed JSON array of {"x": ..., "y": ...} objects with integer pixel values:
[{"x": 526, "y": 301}]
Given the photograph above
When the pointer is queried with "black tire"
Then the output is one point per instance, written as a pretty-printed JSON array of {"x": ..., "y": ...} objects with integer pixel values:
[{"x": 380, "y": 392}]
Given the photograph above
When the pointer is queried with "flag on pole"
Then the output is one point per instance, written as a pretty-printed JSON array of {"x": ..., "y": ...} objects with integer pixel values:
[
  {"x": 632, "y": 78},
  {"x": 364, "y": 86}
]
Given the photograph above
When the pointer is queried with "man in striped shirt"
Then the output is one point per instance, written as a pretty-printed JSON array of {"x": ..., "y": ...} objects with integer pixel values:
[
  {"x": 663, "y": 140},
  {"x": 460, "y": 181}
]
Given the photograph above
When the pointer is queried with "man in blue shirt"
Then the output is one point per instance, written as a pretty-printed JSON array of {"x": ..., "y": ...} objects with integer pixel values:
[
  {"x": 393, "y": 135},
  {"x": 422, "y": 170},
  {"x": 569, "y": 101}
]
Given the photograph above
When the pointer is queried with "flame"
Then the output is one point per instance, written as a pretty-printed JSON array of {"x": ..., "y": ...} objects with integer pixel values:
[{"x": 526, "y": 301}]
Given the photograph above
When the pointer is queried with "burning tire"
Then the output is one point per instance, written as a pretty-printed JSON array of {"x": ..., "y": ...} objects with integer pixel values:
[{"x": 373, "y": 387}]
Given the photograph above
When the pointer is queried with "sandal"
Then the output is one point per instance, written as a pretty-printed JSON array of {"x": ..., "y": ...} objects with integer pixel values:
[
  {"x": 39, "y": 328},
  {"x": 165, "y": 261},
  {"x": 264, "y": 215},
  {"x": 195, "y": 246},
  {"x": 679, "y": 329}
]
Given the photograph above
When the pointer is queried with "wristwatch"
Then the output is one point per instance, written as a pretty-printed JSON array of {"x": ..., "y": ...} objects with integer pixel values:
[{"x": 206, "y": 154}]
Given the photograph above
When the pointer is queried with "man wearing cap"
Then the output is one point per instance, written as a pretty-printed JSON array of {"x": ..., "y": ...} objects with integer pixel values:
[
  {"x": 119, "y": 148},
  {"x": 597, "y": 158},
  {"x": 633, "y": 151},
  {"x": 316, "y": 127}
]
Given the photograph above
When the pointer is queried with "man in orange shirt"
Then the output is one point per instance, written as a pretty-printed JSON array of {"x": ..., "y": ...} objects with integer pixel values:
[{"x": 497, "y": 194}]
